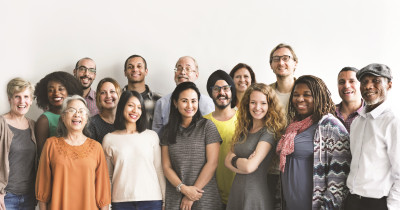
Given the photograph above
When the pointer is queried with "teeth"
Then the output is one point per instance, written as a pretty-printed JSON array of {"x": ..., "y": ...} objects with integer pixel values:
[
  {"x": 21, "y": 106},
  {"x": 57, "y": 99}
]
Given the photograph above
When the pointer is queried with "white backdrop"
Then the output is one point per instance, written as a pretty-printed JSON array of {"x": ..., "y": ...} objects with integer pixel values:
[{"x": 38, "y": 37}]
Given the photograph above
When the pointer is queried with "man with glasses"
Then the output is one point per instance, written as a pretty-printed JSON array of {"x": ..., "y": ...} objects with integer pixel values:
[
  {"x": 135, "y": 70},
  {"x": 283, "y": 62},
  {"x": 221, "y": 89},
  {"x": 186, "y": 69},
  {"x": 85, "y": 72}
]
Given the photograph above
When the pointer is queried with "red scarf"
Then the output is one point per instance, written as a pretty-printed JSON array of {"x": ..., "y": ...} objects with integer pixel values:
[{"x": 286, "y": 143}]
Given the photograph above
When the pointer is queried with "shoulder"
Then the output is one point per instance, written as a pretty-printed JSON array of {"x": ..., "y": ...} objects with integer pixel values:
[
  {"x": 95, "y": 144},
  {"x": 266, "y": 135},
  {"x": 42, "y": 119},
  {"x": 208, "y": 116},
  {"x": 164, "y": 99},
  {"x": 330, "y": 119},
  {"x": 208, "y": 124},
  {"x": 151, "y": 135}
]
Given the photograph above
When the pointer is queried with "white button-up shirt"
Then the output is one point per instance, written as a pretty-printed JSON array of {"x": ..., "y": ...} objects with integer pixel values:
[{"x": 375, "y": 149}]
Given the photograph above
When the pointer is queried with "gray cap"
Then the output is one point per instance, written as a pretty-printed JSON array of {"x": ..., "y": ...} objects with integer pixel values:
[{"x": 376, "y": 69}]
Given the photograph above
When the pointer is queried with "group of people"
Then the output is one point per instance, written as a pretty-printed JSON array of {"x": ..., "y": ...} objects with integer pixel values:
[{"x": 246, "y": 145}]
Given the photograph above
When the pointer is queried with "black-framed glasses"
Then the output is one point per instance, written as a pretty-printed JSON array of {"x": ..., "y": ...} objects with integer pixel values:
[
  {"x": 217, "y": 89},
  {"x": 180, "y": 69},
  {"x": 285, "y": 58},
  {"x": 84, "y": 69}
]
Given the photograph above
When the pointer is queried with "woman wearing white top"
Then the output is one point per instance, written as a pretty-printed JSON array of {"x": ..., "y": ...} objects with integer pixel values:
[{"x": 133, "y": 157}]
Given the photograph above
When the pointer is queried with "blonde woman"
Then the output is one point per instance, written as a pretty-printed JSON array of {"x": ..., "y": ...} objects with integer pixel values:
[{"x": 260, "y": 123}]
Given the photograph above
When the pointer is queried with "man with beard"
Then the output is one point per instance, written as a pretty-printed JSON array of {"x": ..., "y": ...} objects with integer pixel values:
[
  {"x": 85, "y": 72},
  {"x": 135, "y": 69},
  {"x": 374, "y": 179},
  {"x": 186, "y": 70},
  {"x": 221, "y": 89},
  {"x": 349, "y": 91}
]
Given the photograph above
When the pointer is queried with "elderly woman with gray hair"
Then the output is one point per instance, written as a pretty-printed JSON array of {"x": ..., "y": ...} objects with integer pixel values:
[
  {"x": 72, "y": 171},
  {"x": 18, "y": 155}
]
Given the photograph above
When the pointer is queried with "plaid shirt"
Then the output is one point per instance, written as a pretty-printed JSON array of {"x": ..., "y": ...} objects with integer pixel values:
[
  {"x": 150, "y": 99},
  {"x": 351, "y": 117},
  {"x": 91, "y": 102}
]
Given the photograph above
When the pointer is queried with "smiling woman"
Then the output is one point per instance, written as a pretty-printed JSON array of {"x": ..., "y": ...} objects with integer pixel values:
[
  {"x": 50, "y": 93},
  {"x": 18, "y": 149},
  {"x": 72, "y": 171}
]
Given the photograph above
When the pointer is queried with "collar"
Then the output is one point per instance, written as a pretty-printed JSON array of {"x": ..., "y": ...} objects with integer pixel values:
[
  {"x": 376, "y": 112},
  {"x": 358, "y": 111},
  {"x": 91, "y": 94},
  {"x": 146, "y": 94}
]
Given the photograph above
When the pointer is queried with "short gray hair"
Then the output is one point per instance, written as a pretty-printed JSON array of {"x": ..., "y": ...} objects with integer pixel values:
[{"x": 61, "y": 129}]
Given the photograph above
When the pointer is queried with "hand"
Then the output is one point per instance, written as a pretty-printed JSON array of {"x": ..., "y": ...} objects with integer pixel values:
[
  {"x": 2, "y": 205},
  {"x": 191, "y": 192},
  {"x": 252, "y": 155},
  {"x": 186, "y": 204}
]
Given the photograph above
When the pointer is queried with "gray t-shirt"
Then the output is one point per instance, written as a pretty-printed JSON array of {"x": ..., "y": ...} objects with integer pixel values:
[
  {"x": 297, "y": 180},
  {"x": 21, "y": 179},
  {"x": 250, "y": 191}
]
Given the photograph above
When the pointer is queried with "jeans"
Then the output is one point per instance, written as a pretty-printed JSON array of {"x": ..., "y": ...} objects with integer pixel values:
[
  {"x": 137, "y": 205},
  {"x": 20, "y": 202}
]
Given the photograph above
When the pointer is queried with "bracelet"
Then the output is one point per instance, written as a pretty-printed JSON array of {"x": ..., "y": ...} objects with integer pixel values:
[
  {"x": 234, "y": 161},
  {"x": 178, "y": 188}
]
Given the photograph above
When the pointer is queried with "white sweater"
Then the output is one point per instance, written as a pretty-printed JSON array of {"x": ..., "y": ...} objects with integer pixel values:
[{"x": 134, "y": 165}]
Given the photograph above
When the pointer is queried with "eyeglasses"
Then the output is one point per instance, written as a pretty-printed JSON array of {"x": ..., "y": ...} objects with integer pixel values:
[
  {"x": 217, "y": 89},
  {"x": 180, "y": 69},
  {"x": 73, "y": 111},
  {"x": 84, "y": 69},
  {"x": 285, "y": 58}
]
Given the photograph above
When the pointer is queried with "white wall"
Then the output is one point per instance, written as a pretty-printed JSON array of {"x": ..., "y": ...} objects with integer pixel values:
[{"x": 38, "y": 37}]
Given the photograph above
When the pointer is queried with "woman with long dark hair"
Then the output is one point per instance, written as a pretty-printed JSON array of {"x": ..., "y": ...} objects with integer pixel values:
[
  {"x": 190, "y": 147},
  {"x": 314, "y": 151},
  {"x": 133, "y": 157}
]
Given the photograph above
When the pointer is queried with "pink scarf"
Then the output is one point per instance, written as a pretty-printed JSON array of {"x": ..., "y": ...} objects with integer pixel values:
[{"x": 286, "y": 143}]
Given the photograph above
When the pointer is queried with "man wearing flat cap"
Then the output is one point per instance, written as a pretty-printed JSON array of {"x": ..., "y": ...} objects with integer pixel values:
[
  {"x": 374, "y": 179},
  {"x": 222, "y": 90}
]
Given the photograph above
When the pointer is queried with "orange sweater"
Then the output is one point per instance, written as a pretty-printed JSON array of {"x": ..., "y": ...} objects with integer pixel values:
[{"x": 73, "y": 177}]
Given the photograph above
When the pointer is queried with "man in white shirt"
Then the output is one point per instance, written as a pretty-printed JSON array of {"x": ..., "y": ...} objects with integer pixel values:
[
  {"x": 186, "y": 70},
  {"x": 374, "y": 179}
]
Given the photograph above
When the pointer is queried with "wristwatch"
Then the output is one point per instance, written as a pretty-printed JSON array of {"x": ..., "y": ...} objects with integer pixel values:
[{"x": 178, "y": 188}]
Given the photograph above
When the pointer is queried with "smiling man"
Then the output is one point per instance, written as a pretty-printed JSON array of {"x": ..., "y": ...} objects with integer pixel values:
[
  {"x": 136, "y": 70},
  {"x": 186, "y": 70},
  {"x": 85, "y": 72},
  {"x": 349, "y": 91},
  {"x": 374, "y": 179},
  {"x": 221, "y": 89}
]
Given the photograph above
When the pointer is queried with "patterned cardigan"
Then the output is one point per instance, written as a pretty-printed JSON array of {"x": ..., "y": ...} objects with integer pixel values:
[{"x": 331, "y": 164}]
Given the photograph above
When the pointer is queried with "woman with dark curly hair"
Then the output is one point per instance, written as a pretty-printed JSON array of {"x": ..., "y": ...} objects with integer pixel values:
[
  {"x": 314, "y": 151},
  {"x": 50, "y": 93}
]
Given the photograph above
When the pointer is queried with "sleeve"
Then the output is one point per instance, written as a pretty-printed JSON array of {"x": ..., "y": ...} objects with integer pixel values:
[
  {"x": 393, "y": 148},
  {"x": 338, "y": 163},
  {"x": 267, "y": 137},
  {"x": 102, "y": 181},
  {"x": 157, "y": 117},
  {"x": 211, "y": 133},
  {"x": 158, "y": 165},
  {"x": 92, "y": 128},
  {"x": 108, "y": 153},
  {"x": 44, "y": 179},
  {"x": 4, "y": 136}
]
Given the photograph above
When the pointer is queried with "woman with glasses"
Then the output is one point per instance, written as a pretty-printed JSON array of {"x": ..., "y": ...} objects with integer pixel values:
[
  {"x": 190, "y": 147},
  {"x": 133, "y": 155},
  {"x": 72, "y": 171},
  {"x": 243, "y": 76},
  {"x": 50, "y": 93},
  {"x": 261, "y": 121},
  {"x": 18, "y": 159},
  {"x": 314, "y": 151},
  {"x": 107, "y": 97}
]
